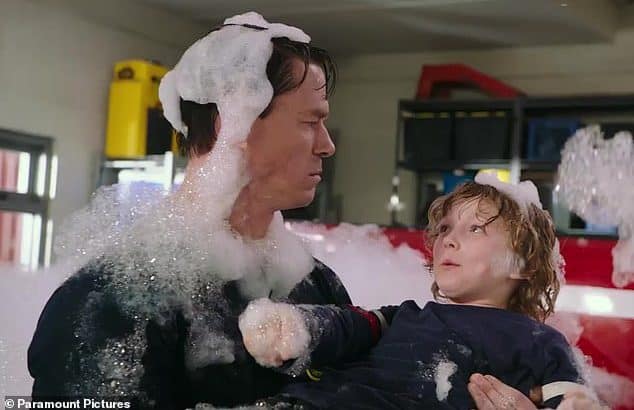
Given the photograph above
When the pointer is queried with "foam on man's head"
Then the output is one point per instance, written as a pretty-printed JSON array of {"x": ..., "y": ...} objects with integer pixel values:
[{"x": 227, "y": 67}]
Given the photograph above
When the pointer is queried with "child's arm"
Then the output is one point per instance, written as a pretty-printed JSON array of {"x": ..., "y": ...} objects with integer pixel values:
[
  {"x": 562, "y": 373},
  {"x": 276, "y": 332},
  {"x": 345, "y": 333}
]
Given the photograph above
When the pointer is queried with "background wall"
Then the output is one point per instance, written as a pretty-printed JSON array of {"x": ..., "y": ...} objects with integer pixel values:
[{"x": 56, "y": 60}]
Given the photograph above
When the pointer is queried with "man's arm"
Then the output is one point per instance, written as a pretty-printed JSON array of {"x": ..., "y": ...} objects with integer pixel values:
[
  {"x": 54, "y": 353},
  {"x": 78, "y": 322},
  {"x": 321, "y": 287}
]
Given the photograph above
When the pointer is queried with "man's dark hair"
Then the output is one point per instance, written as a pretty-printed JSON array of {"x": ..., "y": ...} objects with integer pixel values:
[{"x": 200, "y": 118}]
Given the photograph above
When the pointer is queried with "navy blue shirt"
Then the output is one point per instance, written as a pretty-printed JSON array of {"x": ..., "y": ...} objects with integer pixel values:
[{"x": 400, "y": 371}]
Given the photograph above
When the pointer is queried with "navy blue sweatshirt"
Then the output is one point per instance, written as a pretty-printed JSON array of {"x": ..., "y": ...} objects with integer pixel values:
[
  {"x": 400, "y": 371},
  {"x": 61, "y": 357}
]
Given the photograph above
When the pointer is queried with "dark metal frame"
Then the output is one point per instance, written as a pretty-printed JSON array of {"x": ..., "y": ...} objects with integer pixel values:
[
  {"x": 521, "y": 108},
  {"x": 30, "y": 202}
]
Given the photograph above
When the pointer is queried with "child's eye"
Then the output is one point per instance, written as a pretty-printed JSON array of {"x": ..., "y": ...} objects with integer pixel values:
[
  {"x": 476, "y": 228},
  {"x": 443, "y": 228}
]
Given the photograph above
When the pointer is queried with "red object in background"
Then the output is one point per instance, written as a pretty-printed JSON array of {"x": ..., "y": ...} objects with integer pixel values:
[
  {"x": 589, "y": 261},
  {"x": 439, "y": 76},
  {"x": 10, "y": 222},
  {"x": 607, "y": 340}
]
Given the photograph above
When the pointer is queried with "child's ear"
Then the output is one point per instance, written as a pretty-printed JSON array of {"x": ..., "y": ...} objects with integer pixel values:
[{"x": 518, "y": 268}]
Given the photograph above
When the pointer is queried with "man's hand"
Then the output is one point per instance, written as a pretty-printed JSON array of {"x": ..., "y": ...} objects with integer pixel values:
[
  {"x": 580, "y": 400},
  {"x": 273, "y": 332},
  {"x": 491, "y": 394}
]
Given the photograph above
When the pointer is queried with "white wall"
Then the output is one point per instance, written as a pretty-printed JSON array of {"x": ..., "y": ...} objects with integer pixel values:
[
  {"x": 365, "y": 103},
  {"x": 55, "y": 68}
]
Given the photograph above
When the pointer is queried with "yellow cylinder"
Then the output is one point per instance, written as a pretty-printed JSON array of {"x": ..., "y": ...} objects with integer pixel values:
[
  {"x": 503, "y": 175},
  {"x": 132, "y": 111}
]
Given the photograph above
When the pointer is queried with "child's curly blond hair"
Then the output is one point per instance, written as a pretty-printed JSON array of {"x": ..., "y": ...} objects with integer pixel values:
[{"x": 531, "y": 237}]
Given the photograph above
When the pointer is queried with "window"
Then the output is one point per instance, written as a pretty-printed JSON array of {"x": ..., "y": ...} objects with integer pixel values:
[{"x": 27, "y": 184}]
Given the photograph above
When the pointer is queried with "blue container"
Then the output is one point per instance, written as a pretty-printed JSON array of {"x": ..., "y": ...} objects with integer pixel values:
[
  {"x": 450, "y": 181},
  {"x": 546, "y": 137}
]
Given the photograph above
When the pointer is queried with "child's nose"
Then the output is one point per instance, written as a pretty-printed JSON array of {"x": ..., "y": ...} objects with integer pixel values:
[{"x": 450, "y": 240}]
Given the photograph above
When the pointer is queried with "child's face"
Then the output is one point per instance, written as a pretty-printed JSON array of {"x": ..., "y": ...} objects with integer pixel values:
[{"x": 473, "y": 262}]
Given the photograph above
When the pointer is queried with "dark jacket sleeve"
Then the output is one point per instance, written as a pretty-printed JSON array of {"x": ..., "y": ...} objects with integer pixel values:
[
  {"x": 321, "y": 287},
  {"x": 54, "y": 353},
  {"x": 77, "y": 323},
  {"x": 342, "y": 333}
]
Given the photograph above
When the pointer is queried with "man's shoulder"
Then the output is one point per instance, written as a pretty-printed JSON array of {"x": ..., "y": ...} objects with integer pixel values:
[
  {"x": 90, "y": 277},
  {"x": 321, "y": 286},
  {"x": 86, "y": 285}
]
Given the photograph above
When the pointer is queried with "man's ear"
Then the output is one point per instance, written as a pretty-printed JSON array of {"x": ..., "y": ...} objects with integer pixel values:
[{"x": 217, "y": 125}]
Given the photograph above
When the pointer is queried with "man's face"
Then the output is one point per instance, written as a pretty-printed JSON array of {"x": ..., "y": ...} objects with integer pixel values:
[
  {"x": 285, "y": 148},
  {"x": 472, "y": 261}
]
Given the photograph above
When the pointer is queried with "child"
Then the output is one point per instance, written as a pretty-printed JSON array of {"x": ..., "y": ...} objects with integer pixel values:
[{"x": 495, "y": 262}]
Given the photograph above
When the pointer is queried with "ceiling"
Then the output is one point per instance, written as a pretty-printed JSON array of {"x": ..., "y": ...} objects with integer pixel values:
[{"x": 384, "y": 26}]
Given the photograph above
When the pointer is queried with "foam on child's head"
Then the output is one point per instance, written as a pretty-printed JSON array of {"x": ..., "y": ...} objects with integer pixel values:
[
  {"x": 482, "y": 195},
  {"x": 524, "y": 193}
]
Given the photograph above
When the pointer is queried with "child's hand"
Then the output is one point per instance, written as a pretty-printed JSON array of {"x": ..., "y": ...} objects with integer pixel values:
[{"x": 273, "y": 332}]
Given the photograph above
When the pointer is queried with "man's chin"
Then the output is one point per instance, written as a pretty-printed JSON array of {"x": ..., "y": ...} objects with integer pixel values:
[{"x": 301, "y": 202}]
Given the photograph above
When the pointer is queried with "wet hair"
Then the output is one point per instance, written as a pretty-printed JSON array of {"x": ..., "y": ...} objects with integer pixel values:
[
  {"x": 531, "y": 238},
  {"x": 200, "y": 118}
]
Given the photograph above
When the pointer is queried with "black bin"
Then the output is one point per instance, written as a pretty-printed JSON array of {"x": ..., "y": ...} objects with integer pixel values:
[
  {"x": 482, "y": 135},
  {"x": 427, "y": 138}
]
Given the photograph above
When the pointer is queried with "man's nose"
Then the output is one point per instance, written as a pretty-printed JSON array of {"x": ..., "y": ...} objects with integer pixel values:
[{"x": 324, "y": 147}]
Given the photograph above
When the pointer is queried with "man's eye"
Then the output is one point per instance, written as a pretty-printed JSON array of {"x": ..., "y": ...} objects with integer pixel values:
[{"x": 313, "y": 123}]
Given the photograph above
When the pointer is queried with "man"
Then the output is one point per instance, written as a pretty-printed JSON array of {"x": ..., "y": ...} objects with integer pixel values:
[{"x": 110, "y": 330}]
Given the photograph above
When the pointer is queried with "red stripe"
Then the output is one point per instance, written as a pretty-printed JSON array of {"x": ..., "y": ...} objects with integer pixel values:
[{"x": 375, "y": 325}]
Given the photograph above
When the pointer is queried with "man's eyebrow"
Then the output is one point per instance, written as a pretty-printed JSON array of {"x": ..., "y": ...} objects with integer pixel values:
[{"x": 317, "y": 112}]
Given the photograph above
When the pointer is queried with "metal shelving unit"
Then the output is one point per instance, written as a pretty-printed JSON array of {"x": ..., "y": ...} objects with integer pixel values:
[{"x": 519, "y": 111}]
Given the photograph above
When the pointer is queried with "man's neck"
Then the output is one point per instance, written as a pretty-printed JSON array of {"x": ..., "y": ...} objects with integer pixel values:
[{"x": 249, "y": 217}]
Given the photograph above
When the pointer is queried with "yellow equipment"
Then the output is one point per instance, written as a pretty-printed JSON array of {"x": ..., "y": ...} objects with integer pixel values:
[
  {"x": 136, "y": 126},
  {"x": 503, "y": 175}
]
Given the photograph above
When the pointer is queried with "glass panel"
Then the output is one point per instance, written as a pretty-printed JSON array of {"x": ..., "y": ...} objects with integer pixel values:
[
  {"x": 20, "y": 239},
  {"x": 14, "y": 171}
]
